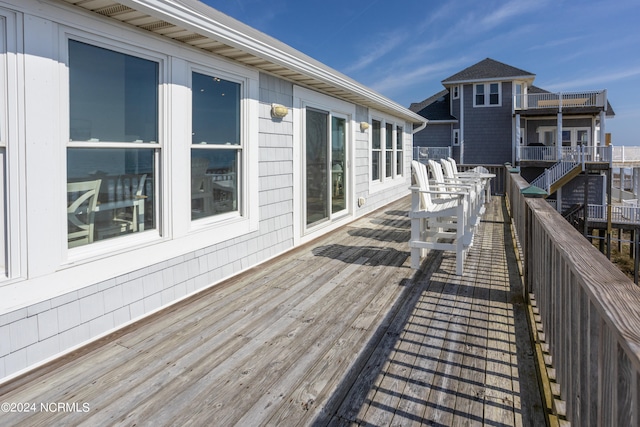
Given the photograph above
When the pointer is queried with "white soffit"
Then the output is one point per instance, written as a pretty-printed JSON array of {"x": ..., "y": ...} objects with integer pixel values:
[{"x": 196, "y": 24}]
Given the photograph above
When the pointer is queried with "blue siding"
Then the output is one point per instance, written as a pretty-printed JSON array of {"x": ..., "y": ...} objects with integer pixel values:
[
  {"x": 488, "y": 130},
  {"x": 434, "y": 135}
]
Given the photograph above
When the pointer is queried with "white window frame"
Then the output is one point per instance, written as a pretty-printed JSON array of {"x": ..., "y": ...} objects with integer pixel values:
[
  {"x": 242, "y": 201},
  {"x": 305, "y": 98},
  {"x": 173, "y": 151},
  {"x": 542, "y": 130},
  {"x": 102, "y": 247},
  {"x": 395, "y": 178},
  {"x": 217, "y": 228},
  {"x": 12, "y": 142},
  {"x": 455, "y": 137},
  {"x": 487, "y": 94},
  {"x": 379, "y": 150},
  {"x": 455, "y": 92},
  {"x": 519, "y": 99},
  {"x": 399, "y": 148}
]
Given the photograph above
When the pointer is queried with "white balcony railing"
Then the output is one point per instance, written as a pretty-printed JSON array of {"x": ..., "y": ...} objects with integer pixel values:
[
  {"x": 547, "y": 153},
  {"x": 624, "y": 154},
  {"x": 578, "y": 154},
  {"x": 533, "y": 101},
  {"x": 431, "y": 153},
  {"x": 619, "y": 214}
]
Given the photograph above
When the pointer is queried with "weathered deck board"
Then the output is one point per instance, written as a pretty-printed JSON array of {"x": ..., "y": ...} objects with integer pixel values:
[{"x": 339, "y": 332}]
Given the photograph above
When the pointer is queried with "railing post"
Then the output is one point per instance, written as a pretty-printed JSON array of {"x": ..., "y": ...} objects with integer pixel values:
[{"x": 547, "y": 180}]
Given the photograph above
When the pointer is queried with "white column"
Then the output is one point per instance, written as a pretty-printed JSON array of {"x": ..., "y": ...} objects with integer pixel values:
[
  {"x": 517, "y": 141},
  {"x": 559, "y": 137},
  {"x": 602, "y": 130}
]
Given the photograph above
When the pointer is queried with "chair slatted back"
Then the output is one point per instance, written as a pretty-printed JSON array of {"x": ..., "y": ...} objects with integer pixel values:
[{"x": 421, "y": 178}]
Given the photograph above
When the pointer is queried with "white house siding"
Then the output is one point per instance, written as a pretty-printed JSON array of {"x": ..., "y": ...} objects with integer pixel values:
[
  {"x": 275, "y": 167},
  {"x": 60, "y": 307}
]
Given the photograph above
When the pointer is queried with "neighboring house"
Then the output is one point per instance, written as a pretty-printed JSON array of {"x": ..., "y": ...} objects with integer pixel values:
[
  {"x": 491, "y": 113},
  {"x": 151, "y": 149}
]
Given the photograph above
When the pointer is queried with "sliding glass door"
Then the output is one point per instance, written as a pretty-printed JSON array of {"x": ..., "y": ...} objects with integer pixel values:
[{"x": 325, "y": 164}]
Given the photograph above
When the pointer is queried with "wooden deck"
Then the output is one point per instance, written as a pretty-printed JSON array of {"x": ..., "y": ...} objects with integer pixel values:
[{"x": 339, "y": 332}]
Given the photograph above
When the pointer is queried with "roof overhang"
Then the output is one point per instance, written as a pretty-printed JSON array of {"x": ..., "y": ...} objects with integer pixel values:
[
  {"x": 443, "y": 122},
  {"x": 489, "y": 79},
  {"x": 198, "y": 25}
]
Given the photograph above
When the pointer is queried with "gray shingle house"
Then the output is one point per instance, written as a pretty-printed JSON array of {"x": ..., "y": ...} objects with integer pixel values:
[{"x": 491, "y": 113}]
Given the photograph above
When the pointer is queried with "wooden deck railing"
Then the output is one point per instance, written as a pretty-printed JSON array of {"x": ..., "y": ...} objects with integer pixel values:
[
  {"x": 590, "y": 313},
  {"x": 497, "y": 183}
]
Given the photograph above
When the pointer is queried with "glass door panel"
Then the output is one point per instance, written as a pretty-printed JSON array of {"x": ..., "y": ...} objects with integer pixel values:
[
  {"x": 338, "y": 164},
  {"x": 316, "y": 165},
  {"x": 582, "y": 137}
]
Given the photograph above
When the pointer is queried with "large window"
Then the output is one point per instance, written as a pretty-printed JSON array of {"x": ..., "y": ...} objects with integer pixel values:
[
  {"x": 399, "y": 147},
  {"x": 113, "y": 150},
  {"x": 376, "y": 150},
  {"x": 386, "y": 150},
  {"x": 389, "y": 151},
  {"x": 486, "y": 94},
  {"x": 216, "y": 145}
]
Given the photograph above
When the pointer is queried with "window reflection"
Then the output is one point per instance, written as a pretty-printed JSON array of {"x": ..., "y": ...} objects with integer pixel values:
[
  {"x": 113, "y": 96},
  {"x": 110, "y": 193},
  {"x": 214, "y": 182},
  {"x": 216, "y": 149}
]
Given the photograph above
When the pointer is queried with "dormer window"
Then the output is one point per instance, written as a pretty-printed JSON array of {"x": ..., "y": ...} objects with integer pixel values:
[{"x": 486, "y": 94}]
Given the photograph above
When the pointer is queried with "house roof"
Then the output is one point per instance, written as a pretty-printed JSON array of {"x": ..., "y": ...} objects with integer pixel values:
[
  {"x": 198, "y": 25},
  {"x": 435, "y": 108},
  {"x": 486, "y": 70}
]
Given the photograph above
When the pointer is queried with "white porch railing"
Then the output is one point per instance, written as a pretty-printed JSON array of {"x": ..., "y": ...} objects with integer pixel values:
[
  {"x": 619, "y": 214},
  {"x": 624, "y": 154},
  {"x": 432, "y": 153},
  {"x": 547, "y": 153},
  {"x": 553, "y": 174},
  {"x": 579, "y": 154},
  {"x": 533, "y": 101}
]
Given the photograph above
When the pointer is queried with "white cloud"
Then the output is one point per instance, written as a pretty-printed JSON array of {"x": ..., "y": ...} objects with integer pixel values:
[
  {"x": 596, "y": 81},
  {"x": 391, "y": 42},
  {"x": 556, "y": 43},
  {"x": 508, "y": 11},
  {"x": 398, "y": 81}
]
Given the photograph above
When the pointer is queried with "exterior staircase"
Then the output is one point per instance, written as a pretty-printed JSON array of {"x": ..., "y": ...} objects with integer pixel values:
[{"x": 558, "y": 175}]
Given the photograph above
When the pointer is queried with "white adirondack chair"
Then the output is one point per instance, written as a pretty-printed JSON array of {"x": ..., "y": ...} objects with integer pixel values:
[
  {"x": 478, "y": 173},
  {"x": 436, "y": 215},
  {"x": 473, "y": 191}
]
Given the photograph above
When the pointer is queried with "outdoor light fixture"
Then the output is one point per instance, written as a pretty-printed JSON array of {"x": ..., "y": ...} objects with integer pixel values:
[
  {"x": 279, "y": 111},
  {"x": 364, "y": 126}
]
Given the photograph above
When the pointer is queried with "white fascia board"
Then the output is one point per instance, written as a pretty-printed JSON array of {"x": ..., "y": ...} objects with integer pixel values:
[
  {"x": 241, "y": 36},
  {"x": 490, "y": 79}
]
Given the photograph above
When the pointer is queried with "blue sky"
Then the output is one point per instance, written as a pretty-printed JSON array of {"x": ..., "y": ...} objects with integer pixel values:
[{"x": 405, "y": 48}]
